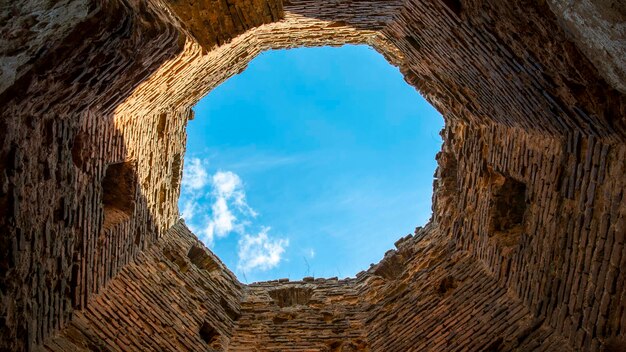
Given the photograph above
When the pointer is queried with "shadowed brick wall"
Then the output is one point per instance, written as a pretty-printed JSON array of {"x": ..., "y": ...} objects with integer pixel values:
[{"x": 525, "y": 249}]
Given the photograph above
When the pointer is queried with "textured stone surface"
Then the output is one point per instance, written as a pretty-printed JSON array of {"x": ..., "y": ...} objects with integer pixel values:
[
  {"x": 159, "y": 302},
  {"x": 525, "y": 250},
  {"x": 212, "y": 22},
  {"x": 566, "y": 263},
  {"x": 30, "y": 28},
  {"x": 599, "y": 27}
]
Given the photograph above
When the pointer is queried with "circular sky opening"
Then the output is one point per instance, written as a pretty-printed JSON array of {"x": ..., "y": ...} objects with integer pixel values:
[{"x": 312, "y": 162}]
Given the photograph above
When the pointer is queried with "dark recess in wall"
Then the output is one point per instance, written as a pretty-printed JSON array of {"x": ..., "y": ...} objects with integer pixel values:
[
  {"x": 161, "y": 125},
  {"x": 208, "y": 333},
  {"x": 80, "y": 152},
  {"x": 507, "y": 207},
  {"x": 118, "y": 193},
  {"x": 291, "y": 296},
  {"x": 201, "y": 259},
  {"x": 454, "y": 5},
  {"x": 176, "y": 163}
]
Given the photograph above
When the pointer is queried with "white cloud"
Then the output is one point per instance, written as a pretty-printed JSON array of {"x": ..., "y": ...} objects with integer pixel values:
[
  {"x": 223, "y": 219},
  {"x": 207, "y": 233},
  {"x": 311, "y": 253},
  {"x": 195, "y": 175},
  {"x": 215, "y": 206},
  {"x": 195, "y": 178},
  {"x": 225, "y": 188},
  {"x": 226, "y": 183},
  {"x": 260, "y": 252},
  {"x": 189, "y": 209}
]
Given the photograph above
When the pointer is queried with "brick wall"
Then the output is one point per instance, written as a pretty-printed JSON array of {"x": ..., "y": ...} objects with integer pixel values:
[
  {"x": 529, "y": 218},
  {"x": 566, "y": 262},
  {"x": 160, "y": 302}
]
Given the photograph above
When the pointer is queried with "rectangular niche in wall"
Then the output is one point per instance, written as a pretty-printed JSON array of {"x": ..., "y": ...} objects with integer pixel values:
[
  {"x": 118, "y": 193},
  {"x": 209, "y": 334},
  {"x": 201, "y": 259},
  {"x": 507, "y": 208},
  {"x": 291, "y": 296}
]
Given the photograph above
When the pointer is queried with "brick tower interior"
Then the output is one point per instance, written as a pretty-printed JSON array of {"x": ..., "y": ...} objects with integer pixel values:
[{"x": 525, "y": 250}]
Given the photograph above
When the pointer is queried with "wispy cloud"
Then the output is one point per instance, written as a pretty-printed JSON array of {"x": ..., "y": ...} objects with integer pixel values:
[
  {"x": 195, "y": 175},
  {"x": 215, "y": 206},
  {"x": 222, "y": 221},
  {"x": 251, "y": 159},
  {"x": 228, "y": 186},
  {"x": 189, "y": 208},
  {"x": 260, "y": 252}
]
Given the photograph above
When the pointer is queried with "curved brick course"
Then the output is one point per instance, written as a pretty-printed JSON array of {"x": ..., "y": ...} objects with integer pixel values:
[{"x": 525, "y": 250}]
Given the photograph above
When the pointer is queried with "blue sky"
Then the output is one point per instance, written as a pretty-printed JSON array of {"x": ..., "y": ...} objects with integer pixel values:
[{"x": 312, "y": 162}]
